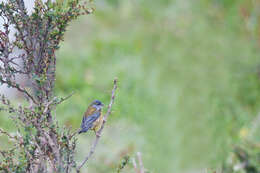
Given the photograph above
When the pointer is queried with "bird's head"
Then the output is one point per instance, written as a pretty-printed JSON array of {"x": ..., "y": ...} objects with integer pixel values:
[{"x": 98, "y": 104}]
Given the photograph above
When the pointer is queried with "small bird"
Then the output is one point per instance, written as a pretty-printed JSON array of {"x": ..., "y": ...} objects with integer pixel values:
[{"x": 92, "y": 118}]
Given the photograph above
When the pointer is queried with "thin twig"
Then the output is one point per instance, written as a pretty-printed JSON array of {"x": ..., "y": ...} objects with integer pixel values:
[
  {"x": 7, "y": 134},
  {"x": 53, "y": 102},
  {"x": 65, "y": 98},
  {"x": 140, "y": 168},
  {"x": 94, "y": 145},
  {"x": 139, "y": 157},
  {"x": 135, "y": 166},
  {"x": 74, "y": 133},
  {"x": 14, "y": 85}
]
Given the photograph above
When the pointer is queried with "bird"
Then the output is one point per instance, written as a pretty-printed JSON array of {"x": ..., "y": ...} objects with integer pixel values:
[{"x": 92, "y": 118}]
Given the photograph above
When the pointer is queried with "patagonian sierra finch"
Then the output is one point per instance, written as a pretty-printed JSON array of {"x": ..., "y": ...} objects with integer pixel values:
[{"x": 92, "y": 118}]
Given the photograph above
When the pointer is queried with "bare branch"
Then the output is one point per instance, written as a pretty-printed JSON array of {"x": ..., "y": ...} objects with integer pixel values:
[
  {"x": 16, "y": 86},
  {"x": 7, "y": 134},
  {"x": 139, "y": 157},
  {"x": 74, "y": 133},
  {"x": 98, "y": 135},
  {"x": 141, "y": 168},
  {"x": 65, "y": 98},
  {"x": 135, "y": 166},
  {"x": 55, "y": 102}
]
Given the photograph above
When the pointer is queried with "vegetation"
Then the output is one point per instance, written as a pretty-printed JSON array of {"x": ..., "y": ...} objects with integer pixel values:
[
  {"x": 40, "y": 145},
  {"x": 189, "y": 83}
]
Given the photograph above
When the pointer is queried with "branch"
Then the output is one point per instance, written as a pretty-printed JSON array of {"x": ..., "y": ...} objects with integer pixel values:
[
  {"x": 140, "y": 164},
  {"x": 7, "y": 134},
  {"x": 14, "y": 85},
  {"x": 135, "y": 166},
  {"x": 139, "y": 157},
  {"x": 54, "y": 102},
  {"x": 98, "y": 135},
  {"x": 65, "y": 98}
]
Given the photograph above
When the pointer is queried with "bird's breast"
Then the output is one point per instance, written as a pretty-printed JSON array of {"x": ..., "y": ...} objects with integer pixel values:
[{"x": 98, "y": 123}]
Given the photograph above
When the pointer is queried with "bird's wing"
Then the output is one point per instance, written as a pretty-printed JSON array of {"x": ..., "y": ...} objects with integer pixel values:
[
  {"x": 91, "y": 110},
  {"x": 89, "y": 120}
]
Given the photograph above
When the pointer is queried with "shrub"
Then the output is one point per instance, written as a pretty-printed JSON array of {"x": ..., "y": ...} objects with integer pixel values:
[{"x": 40, "y": 144}]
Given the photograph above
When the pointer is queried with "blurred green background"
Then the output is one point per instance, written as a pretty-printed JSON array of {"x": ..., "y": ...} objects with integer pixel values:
[
  {"x": 188, "y": 76},
  {"x": 189, "y": 84}
]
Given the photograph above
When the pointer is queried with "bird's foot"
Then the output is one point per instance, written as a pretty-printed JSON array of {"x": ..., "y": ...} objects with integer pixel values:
[{"x": 97, "y": 134}]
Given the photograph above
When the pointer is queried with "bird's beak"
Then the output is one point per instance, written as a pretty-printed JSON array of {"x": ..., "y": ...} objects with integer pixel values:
[{"x": 102, "y": 104}]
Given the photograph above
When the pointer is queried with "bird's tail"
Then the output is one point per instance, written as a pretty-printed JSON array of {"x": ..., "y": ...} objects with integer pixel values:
[{"x": 84, "y": 130}]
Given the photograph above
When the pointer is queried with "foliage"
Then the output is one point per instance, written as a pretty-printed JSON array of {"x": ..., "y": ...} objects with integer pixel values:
[
  {"x": 188, "y": 72},
  {"x": 122, "y": 164},
  {"x": 245, "y": 155},
  {"x": 40, "y": 145},
  {"x": 243, "y": 159}
]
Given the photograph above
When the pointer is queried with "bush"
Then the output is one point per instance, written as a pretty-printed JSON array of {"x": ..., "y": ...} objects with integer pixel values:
[{"x": 40, "y": 144}]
